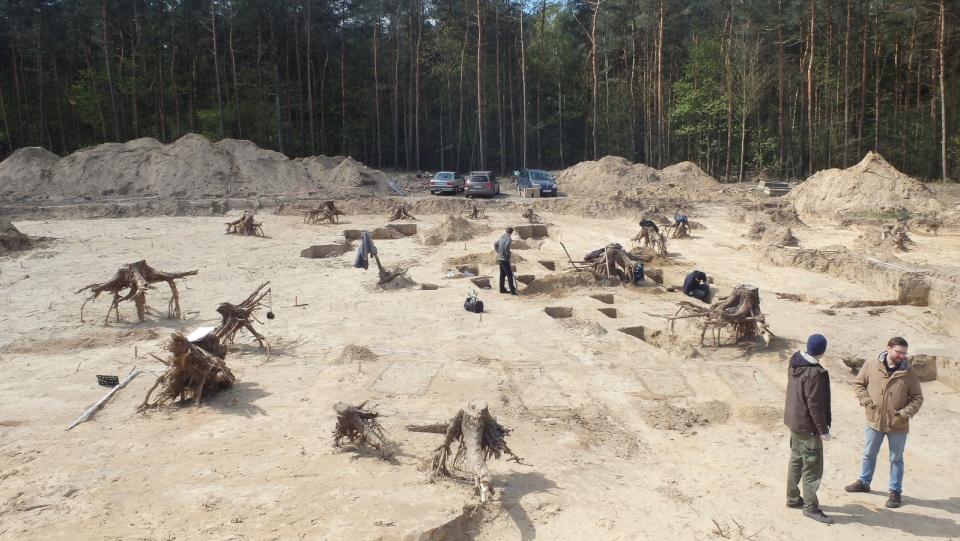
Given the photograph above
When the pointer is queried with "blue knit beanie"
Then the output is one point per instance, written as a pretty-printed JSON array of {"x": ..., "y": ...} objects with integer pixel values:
[{"x": 816, "y": 345}]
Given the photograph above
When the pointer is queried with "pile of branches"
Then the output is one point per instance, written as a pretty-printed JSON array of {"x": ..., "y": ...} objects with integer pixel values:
[
  {"x": 475, "y": 212},
  {"x": 136, "y": 279},
  {"x": 327, "y": 211},
  {"x": 240, "y": 316},
  {"x": 739, "y": 311},
  {"x": 245, "y": 225},
  {"x": 192, "y": 373},
  {"x": 401, "y": 214},
  {"x": 649, "y": 237},
  {"x": 480, "y": 437},
  {"x": 360, "y": 426},
  {"x": 613, "y": 261}
]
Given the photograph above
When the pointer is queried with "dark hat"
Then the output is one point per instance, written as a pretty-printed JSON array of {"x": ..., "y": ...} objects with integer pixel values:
[{"x": 816, "y": 345}]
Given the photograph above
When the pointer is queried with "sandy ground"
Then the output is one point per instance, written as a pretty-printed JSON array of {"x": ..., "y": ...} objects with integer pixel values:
[{"x": 620, "y": 439}]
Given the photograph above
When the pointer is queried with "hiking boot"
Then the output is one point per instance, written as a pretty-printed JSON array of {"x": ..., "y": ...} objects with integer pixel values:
[
  {"x": 818, "y": 516},
  {"x": 894, "y": 500},
  {"x": 514, "y": 293},
  {"x": 504, "y": 291},
  {"x": 795, "y": 505},
  {"x": 859, "y": 486}
]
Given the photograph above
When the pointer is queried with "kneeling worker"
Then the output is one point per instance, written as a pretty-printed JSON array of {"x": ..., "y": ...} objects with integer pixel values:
[{"x": 695, "y": 285}]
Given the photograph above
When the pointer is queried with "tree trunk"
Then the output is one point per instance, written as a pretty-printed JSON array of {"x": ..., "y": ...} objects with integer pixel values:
[
  {"x": 216, "y": 65},
  {"x": 481, "y": 141}
]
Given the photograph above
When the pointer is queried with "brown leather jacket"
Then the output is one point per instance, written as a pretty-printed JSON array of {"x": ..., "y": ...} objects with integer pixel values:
[{"x": 888, "y": 400}]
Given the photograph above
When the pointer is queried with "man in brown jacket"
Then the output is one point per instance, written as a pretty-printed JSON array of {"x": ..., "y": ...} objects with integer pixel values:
[
  {"x": 889, "y": 391},
  {"x": 807, "y": 414}
]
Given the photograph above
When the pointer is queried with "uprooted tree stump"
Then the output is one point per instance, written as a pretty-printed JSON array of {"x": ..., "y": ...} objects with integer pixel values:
[
  {"x": 401, "y": 214},
  {"x": 326, "y": 211},
  {"x": 480, "y": 437},
  {"x": 680, "y": 231},
  {"x": 192, "y": 373},
  {"x": 613, "y": 262},
  {"x": 475, "y": 212},
  {"x": 531, "y": 217},
  {"x": 740, "y": 311},
  {"x": 360, "y": 426},
  {"x": 649, "y": 237},
  {"x": 136, "y": 278},
  {"x": 241, "y": 316},
  {"x": 245, "y": 225}
]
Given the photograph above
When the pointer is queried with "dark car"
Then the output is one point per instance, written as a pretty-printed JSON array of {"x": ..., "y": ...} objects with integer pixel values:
[
  {"x": 482, "y": 183},
  {"x": 529, "y": 178},
  {"x": 447, "y": 181}
]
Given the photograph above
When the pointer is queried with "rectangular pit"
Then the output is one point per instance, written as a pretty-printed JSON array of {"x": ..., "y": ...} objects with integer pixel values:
[
  {"x": 549, "y": 265},
  {"x": 404, "y": 229},
  {"x": 611, "y": 312},
  {"x": 559, "y": 312},
  {"x": 324, "y": 250},
  {"x": 481, "y": 282},
  {"x": 525, "y": 279},
  {"x": 532, "y": 231},
  {"x": 605, "y": 298}
]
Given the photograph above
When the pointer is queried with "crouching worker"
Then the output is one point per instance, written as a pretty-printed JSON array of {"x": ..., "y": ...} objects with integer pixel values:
[{"x": 695, "y": 285}]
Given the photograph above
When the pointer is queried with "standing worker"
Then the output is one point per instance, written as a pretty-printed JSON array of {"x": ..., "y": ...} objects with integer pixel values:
[
  {"x": 502, "y": 246},
  {"x": 807, "y": 414},
  {"x": 889, "y": 391}
]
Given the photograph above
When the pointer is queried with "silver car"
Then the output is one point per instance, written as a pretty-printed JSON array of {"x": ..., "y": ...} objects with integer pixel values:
[
  {"x": 446, "y": 181},
  {"x": 482, "y": 183}
]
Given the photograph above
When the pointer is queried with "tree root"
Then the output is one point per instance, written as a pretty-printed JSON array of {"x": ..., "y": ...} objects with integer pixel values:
[
  {"x": 401, "y": 214},
  {"x": 240, "y": 316},
  {"x": 192, "y": 372},
  {"x": 360, "y": 426},
  {"x": 137, "y": 278},
  {"x": 480, "y": 437},
  {"x": 739, "y": 311},
  {"x": 245, "y": 225}
]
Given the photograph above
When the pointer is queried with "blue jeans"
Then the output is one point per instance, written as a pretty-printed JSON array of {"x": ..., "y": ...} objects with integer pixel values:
[{"x": 896, "y": 443}]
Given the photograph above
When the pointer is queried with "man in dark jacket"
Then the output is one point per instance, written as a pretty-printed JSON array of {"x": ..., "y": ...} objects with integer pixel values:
[
  {"x": 807, "y": 414},
  {"x": 502, "y": 246},
  {"x": 889, "y": 391},
  {"x": 695, "y": 285}
]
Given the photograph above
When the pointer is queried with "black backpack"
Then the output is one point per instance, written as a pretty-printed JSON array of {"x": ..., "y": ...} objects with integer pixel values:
[{"x": 473, "y": 304}]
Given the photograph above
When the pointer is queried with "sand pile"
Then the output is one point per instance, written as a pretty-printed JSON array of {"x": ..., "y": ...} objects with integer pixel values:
[
  {"x": 871, "y": 186},
  {"x": 608, "y": 175},
  {"x": 354, "y": 353},
  {"x": 772, "y": 234},
  {"x": 26, "y": 170},
  {"x": 189, "y": 168},
  {"x": 11, "y": 238},
  {"x": 451, "y": 229}
]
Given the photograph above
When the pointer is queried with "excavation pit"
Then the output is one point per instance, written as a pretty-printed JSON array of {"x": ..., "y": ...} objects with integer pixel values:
[
  {"x": 324, "y": 250},
  {"x": 525, "y": 279},
  {"x": 380, "y": 233},
  {"x": 550, "y": 265},
  {"x": 482, "y": 283},
  {"x": 406, "y": 230},
  {"x": 472, "y": 269},
  {"x": 559, "y": 312},
  {"x": 610, "y": 312},
  {"x": 532, "y": 231},
  {"x": 605, "y": 298},
  {"x": 429, "y": 287},
  {"x": 650, "y": 337}
]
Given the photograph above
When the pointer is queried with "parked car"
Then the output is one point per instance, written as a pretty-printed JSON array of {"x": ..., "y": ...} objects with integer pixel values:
[
  {"x": 447, "y": 181},
  {"x": 529, "y": 178},
  {"x": 482, "y": 183}
]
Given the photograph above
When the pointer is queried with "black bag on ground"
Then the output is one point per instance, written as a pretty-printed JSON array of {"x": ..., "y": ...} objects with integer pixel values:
[{"x": 473, "y": 304}]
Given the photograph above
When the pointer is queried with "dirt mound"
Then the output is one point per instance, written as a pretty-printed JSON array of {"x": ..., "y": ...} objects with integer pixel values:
[
  {"x": 353, "y": 353},
  {"x": 583, "y": 327},
  {"x": 189, "y": 168},
  {"x": 688, "y": 177},
  {"x": 668, "y": 417},
  {"x": 607, "y": 175},
  {"x": 11, "y": 238},
  {"x": 559, "y": 285},
  {"x": 26, "y": 170},
  {"x": 878, "y": 239},
  {"x": 871, "y": 186},
  {"x": 772, "y": 234},
  {"x": 451, "y": 229}
]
